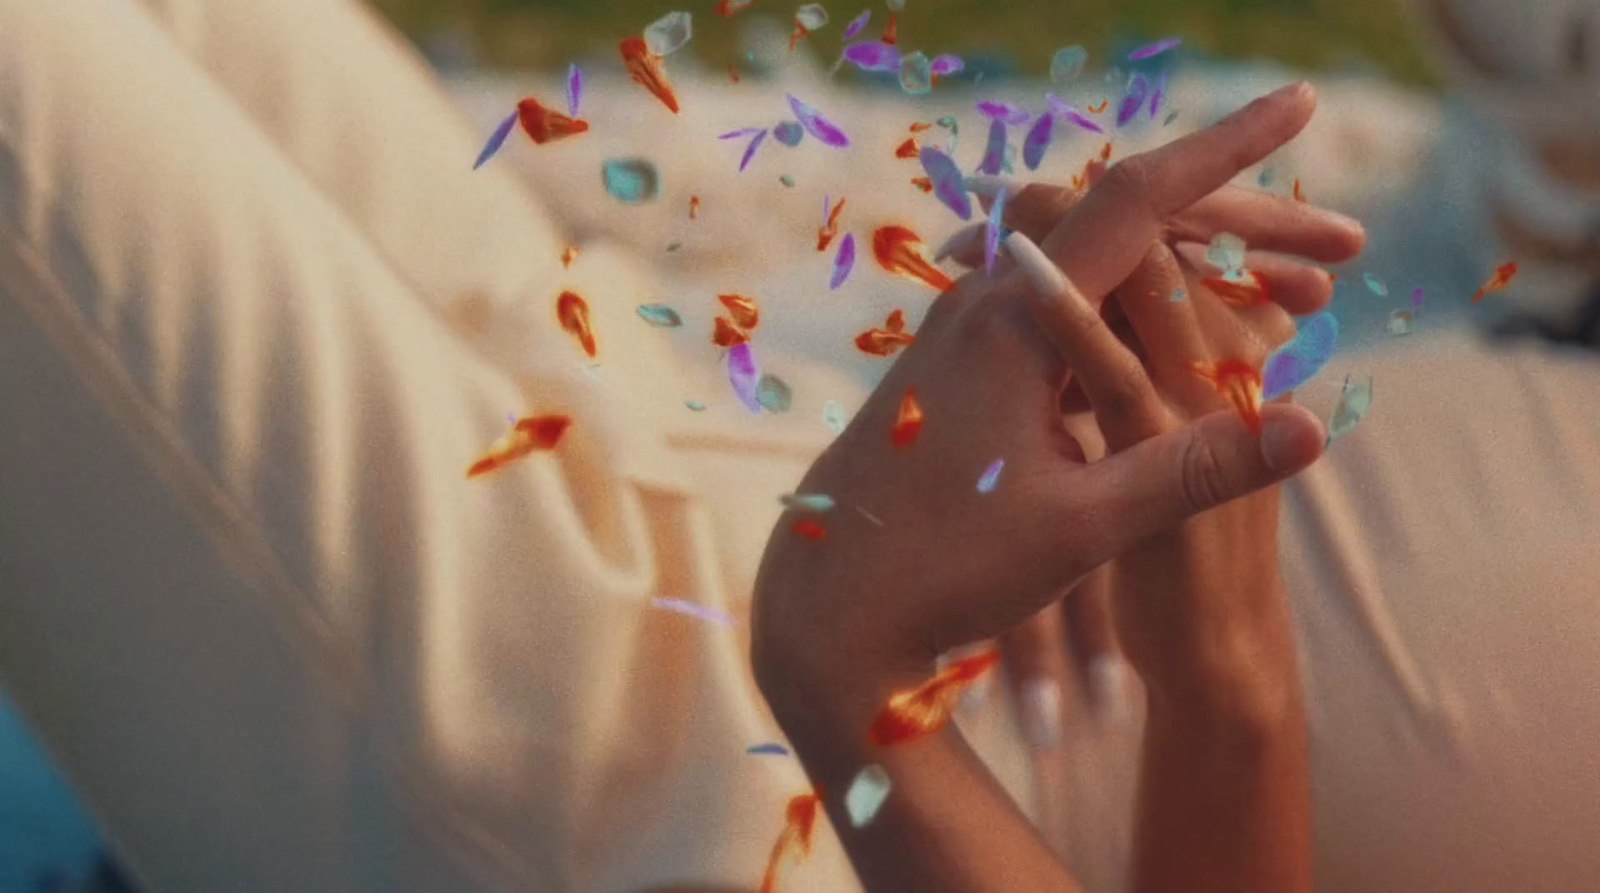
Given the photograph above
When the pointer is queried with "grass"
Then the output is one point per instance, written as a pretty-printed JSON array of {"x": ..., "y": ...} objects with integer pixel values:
[{"x": 1310, "y": 34}]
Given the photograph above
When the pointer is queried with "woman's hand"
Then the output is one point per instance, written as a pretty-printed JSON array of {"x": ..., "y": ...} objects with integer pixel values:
[{"x": 841, "y": 622}]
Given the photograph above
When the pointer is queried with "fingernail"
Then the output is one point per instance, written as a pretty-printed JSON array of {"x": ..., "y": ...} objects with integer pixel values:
[
  {"x": 959, "y": 240},
  {"x": 1278, "y": 445},
  {"x": 1106, "y": 680},
  {"x": 1041, "y": 712},
  {"x": 985, "y": 186},
  {"x": 1046, "y": 279}
]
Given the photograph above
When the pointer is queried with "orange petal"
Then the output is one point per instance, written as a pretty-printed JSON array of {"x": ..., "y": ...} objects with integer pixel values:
[
  {"x": 1105, "y": 152},
  {"x": 733, "y": 73},
  {"x": 526, "y": 436},
  {"x": 1500, "y": 279},
  {"x": 1240, "y": 294},
  {"x": 908, "y": 149},
  {"x": 1240, "y": 383},
  {"x": 545, "y": 126},
  {"x": 1298, "y": 195},
  {"x": 743, "y": 309},
  {"x": 573, "y": 314},
  {"x": 908, "y": 423},
  {"x": 898, "y": 250},
  {"x": 1097, "y": 109},
  {"x": 645, "y": 67},
  {"x": 811, "y": 530},
  {"x": 726, "y": 334},
  {"x": 890, "y": 35},
  {"x": 694, "y": 207},
  {"x": 896, "y": 321},
  {"x": 914, "y": 712},
  {"x": 794, "y": 841},
  {"x": 923, "y": 183},
  {"x": 569, "y": 255},
  {"x": 880, "y": 343},
  {"x": 918, "y": 127},
  {"x": 825, "y": 234}
]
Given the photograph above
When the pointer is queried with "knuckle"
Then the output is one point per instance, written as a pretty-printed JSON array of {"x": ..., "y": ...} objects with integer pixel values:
[
  {"x": 1129, "y": 390},
  {"x": 1205, "y": 480}
]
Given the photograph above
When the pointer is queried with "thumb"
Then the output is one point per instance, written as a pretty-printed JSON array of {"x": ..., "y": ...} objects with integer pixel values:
[{"x": 1167, "y": 479}]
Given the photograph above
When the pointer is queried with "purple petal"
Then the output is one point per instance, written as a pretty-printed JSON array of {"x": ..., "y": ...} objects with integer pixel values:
[
  {"x": 844, "y": 261},
  {"x": 741, "y": 132},
  {"x": 857, "y": 24},
  {"x": 1293, "y": 364},
  {"x": 1060, "y": 109},
  {"x": 994, "y": 155},
  {"x": 574, "y": 89},
  {"x": 744, "y": 376},
  {"x": 991, "y": 236},
  {"x": 496, "y": 140},
  {"x": 750, "y": 150},
  {"x": 1416, "y": 297},
  {"x": 946, "y": 65},
  {"x": 693, "y": 610},
  {"x": 1004, "y": 112},
  {"x": 1157, "y": 95},
  {"x": 1038, "y": 141},
  {"x": 1154, "y": 49},
  {"x": 818, "y": 126},
  {"x": 991, "y": 476},
  {"x": 827, "y": 205},
  {"x": 948, "y": 184},
  {"x": 1138, "y": 89},
  {"x": 776, "y": 749},
  {"x": 873, "y": 56}
]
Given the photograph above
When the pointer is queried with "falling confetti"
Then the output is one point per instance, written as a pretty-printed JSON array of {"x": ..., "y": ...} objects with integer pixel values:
[
  {"x": 1067, "y": 63},
  {"x": 545, "y": 126},
  {"x": 1500, "y": 279},
  {"x": 946, "y": 65},
  {"x": 992, "y": 231},
  {"x": 725, "y": 334},
  {"x": 908, "y": 149},
  {"x": 899, "y": 250},
  {"x": 866, "y": 795},
  {"x": 750, "y": 150},
  {"x": 743, "y": 309},
  {"x": 1038, "y": 141},
  {"x": 923, "y": 183},
  {"x": 948, "y": 184},
  {"x": 843, "y": 262},
  {"x": 526, "y": 436},
  {"x": 887, "y": 340},
  {"x": 908, "y": 421},
  {"x": 669, "y": 33},
  {"x": 817, "y": 125},
  {"x": 890, "y": 35},
  {"x": 857, "y": 24},
  {"x": 811, "y": 530},
  {"x": 991, "y": 476},
  {"x": 873, "y": 56},
  {"x": 774, "y": 393},
  {"x": 1298, "y": 195},
  {"x": 1354, "y": 401},
  {"x": 834, "y": 417},
  {"x": 786, "y": 180},
  {"x": 572, "y": 312},
  {"x": 1133, "y": 99},
  {"x": 496, "y": 140},
  {"x": 1416, "y": 298},
  {"x": 1062, "y": 111},
  {"x": 645, "y": 68},
  {"x": 830, "y": 226},
  {"x": 695, "y": 405},
  {"x": 1226, "y": 253},
  {"x": 807, "y": 19},
  {"x": 807, "y": 502},
  {"x": 1007, "y": 113},
  {"x": 744, "y": 376},
  {"x": 916, "y": 73},
  {"x": 693, "y": 610},
  {"x": 994, "y": 153},
  {"x": 790, "y": 133},
  {"x": 568, "y": 255},
  {"x": 1375, "y": 285},
  {"x": 1265, "y": 178},
  {"x": 574, "y": 89},
  {"x": 1294, "y": 364},
  {"x": 915, "y": 712},
  {"x": 1246, "y": 293},
  {"x": 630, "y": 180},
  {"x": 1157, "y": 95},
  {"x": 1240, "y": 383},
  {"x": 794, "y": 841},
  {"x": 1399, "y": 322},
  {"x": 1154, "y": 49},
  {"x": 774, "y": 749},
  {"x": 727, "y": 8},
  {"x": 659, "y": 315}
]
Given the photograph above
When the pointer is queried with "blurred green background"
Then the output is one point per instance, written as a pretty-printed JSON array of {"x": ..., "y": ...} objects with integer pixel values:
[{"x": 1371, "y": 35}]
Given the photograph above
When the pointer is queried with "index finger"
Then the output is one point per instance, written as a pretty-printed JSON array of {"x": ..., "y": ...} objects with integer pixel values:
[{"x": 1105, "y": 236}]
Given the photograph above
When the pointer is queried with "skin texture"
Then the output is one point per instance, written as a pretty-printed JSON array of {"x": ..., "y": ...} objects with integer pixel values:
[{"x": 841, "y": 623}]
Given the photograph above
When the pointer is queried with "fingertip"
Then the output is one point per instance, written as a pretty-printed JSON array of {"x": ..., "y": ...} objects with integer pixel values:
[{"x": 1292, "y": 437}]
